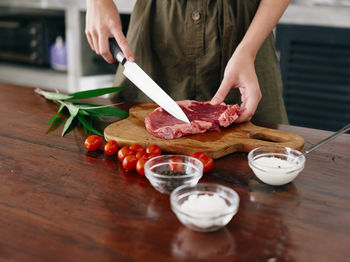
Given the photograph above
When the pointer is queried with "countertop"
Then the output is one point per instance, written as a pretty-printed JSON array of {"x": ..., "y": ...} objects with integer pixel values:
[{"x": 60, "y": 203}]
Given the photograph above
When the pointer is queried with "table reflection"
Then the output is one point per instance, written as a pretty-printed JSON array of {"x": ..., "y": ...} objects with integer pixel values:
[{"x": 189, "y": 244}]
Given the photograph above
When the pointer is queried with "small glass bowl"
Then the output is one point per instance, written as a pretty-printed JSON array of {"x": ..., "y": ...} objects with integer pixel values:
[
  {"x": 276, "y": 165},
  {"x": 204, "y": 214},
  {"x": 167, "y": 172}
]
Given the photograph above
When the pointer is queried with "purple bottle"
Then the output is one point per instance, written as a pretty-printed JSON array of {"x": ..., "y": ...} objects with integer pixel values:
[{"x": 58, "y": 55}]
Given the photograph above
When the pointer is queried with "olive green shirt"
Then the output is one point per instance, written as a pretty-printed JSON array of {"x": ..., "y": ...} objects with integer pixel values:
[{"x": 184, "y": 46}]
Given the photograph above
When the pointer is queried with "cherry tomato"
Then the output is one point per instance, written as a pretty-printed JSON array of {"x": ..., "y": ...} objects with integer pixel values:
[
  {"x": 151, "y": 156},
  {"x": 140, "y": 166},
  {"x": 93, "y": 142},
  {"x": 136, "y": 147},
  {"x": 129, "y": 162},
  {"x": 141, "y": 154},
  {"x": 197, "y": 154},
  {"x": 208, "y": 163},
  {"x": 153, "y": 150},
  {"x": 111, "y": 147},
  {"x": 175, "y": 164},
  {"x": 123, "y": 152}
]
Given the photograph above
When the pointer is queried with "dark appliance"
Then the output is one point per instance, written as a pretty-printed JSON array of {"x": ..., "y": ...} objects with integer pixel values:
[{"x": 27, "y": 39}]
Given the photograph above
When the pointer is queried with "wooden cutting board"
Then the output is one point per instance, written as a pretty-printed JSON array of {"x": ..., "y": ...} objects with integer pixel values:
[{"x": 235, "y": 138}]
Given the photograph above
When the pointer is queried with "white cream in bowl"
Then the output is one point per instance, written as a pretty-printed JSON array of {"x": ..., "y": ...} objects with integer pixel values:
[
  {"x": 276, "y": 165},
  {"x": 204, "y": 207}
]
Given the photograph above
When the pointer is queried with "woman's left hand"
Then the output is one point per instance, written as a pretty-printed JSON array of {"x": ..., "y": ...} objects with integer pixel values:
[{"x": 240, "y": 73}]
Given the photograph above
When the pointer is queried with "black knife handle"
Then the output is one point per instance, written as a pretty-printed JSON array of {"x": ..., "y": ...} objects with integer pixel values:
[{"x": 116, "y": 51}]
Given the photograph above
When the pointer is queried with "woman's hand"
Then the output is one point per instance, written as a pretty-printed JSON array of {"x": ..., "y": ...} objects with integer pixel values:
[
  {"x": 103, "y": 22},
  {"x": 240, "y": 73}
]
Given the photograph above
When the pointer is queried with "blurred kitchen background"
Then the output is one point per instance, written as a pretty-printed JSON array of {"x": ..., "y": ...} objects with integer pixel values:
[{"x": 43, "y": 44}]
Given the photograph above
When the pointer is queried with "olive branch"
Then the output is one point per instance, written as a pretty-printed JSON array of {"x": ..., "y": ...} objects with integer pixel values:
[{"x": 83, "y": 112}]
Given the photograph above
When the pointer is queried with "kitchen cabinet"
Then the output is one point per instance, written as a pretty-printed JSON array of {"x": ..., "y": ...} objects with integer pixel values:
[{"x": 85, "y": 70}]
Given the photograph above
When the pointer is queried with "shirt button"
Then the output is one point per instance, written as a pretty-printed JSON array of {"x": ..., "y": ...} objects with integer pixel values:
[{"x": 196, "y": 15}]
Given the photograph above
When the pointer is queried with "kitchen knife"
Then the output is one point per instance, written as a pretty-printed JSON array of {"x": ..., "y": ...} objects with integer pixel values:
[{"x": 137, "y": 76}]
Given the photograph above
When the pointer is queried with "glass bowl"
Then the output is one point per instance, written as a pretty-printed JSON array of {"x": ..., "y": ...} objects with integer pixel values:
[
  {"x": 167, "y": 172},
  {"x": 204, "y": 207},
  {"x": 276, "y": 165}
]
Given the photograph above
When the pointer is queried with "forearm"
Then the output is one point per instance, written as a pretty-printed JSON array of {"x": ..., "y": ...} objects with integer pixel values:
[
  {"x": 267, "y": 16},
  {"x": 106, "y": 7},
  {"x": 91, "y": 3}
]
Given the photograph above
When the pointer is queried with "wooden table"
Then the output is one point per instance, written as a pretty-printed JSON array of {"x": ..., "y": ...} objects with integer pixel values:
[{"x": 60, "y": 203}]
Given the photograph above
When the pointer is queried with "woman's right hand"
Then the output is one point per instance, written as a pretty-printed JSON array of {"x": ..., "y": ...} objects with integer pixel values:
[
  {"x": 240, "y": 73},
  {"x": 103, "y": 22}
]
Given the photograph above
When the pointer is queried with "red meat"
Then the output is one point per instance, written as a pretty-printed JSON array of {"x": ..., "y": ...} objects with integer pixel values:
[{"x": 202, "y": 115}]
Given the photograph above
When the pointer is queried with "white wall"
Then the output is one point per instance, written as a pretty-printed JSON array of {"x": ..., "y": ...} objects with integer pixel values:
[{"x": 125, "y": 6}]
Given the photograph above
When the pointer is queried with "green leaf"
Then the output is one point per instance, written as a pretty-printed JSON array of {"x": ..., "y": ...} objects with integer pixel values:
[
  {"x": 55, "y": 116},
  {"x": 89, "y": 114},
  {"x": 56, "y": 123},
  {"x": 83, "y": 112},
  {"x": 95, "y": 92},
  {"x": 101, "y": 110},
  {"x": 81, "y": 104},
  {"x": 55, "y": 96},
  {"x": 67, "y": 124},
  {"x": 73, "y": 110},
  {"x": 108, "y": 111},
  {"x": 88, "y": 126}
]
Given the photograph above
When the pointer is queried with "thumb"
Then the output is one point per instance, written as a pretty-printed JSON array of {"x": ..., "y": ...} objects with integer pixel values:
[{"x": 222, "y": 92}]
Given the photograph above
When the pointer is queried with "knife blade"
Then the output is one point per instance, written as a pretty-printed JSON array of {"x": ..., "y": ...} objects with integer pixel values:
[{"x": 140, "y": 79}]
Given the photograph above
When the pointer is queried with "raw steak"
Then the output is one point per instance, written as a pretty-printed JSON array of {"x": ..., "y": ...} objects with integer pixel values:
[{"x": 202, "y": 115}]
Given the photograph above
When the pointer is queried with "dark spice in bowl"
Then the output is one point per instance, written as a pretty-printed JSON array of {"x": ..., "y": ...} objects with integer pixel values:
[{"x": 172, "y": 173}]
